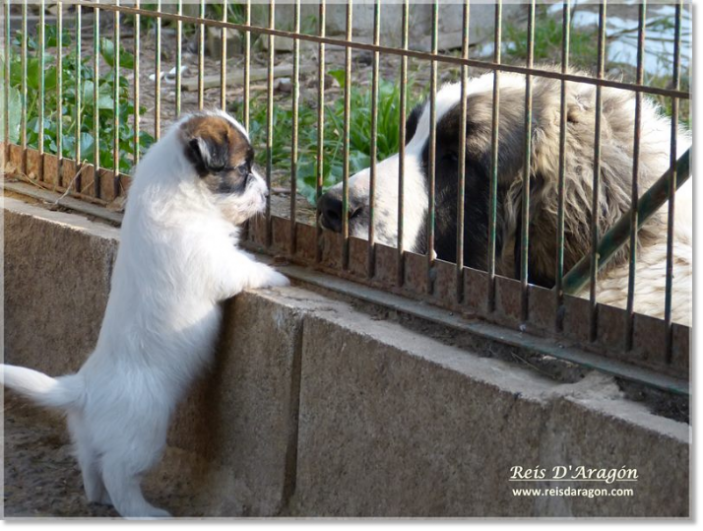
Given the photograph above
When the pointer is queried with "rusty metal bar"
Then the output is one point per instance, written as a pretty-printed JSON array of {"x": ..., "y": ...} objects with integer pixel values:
[
  {"x": 157, "y": 78},
  {"x": 201, "y": 57},
  {"x": 408, "y": 53},
  {"x": 179, "y": 59},
  {"x": 401, "y": 142},
  {"x": 294, "y": 137},
  {"x": 223, "y": 60},
  {"x": 247, "y": 63},
  {"x": 461, "y": 185},
  {"x": 525, "y": 221},
  {"x": 42, "y": 80},
  {"x": 320, "y": 131},
  {"x": 634, "y": 194},
  {"x": 59, "y": 90},
  {"x": 6, "y": 80},
  {"x": 269, "y": 121},
  {"x": 595, "y": 205},
  {"x": 566, "y": 28},
  {"x": 97, "y": 189},
  {"x": 137, "y": 49},
  {"x": 673, "y": 148},
  {"x": 493, "y": 192},
  {"x": 23, "y": 123},
  {"x": 432, "y": 162},
  {"x": 116, "y": 107},
  {"x": 347, "y": 134},
  {"x": 79, "y": 97},
  {"x": 371, "y": 254}
]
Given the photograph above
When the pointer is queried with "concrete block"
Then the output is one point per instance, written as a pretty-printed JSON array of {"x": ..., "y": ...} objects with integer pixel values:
[
  {"x": 243, "y": 414},
  {"x": 395, "y": 424},
  {"x": 57, "y": 280},
  {"x": 593, "y": 426}
]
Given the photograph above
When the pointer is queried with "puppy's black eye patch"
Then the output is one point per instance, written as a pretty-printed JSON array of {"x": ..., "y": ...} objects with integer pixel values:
[{"x": 208, "y": 156}]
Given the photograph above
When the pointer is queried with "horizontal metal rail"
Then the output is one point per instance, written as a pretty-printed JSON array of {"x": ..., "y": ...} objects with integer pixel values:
[{"x": 487, "y": 65}]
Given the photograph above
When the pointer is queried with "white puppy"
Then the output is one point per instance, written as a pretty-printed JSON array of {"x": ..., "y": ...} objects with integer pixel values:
[{"x": 178, "y": 258}]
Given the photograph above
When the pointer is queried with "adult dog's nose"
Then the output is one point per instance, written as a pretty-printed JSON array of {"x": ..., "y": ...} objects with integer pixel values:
[{"x": 331, "y": 207}]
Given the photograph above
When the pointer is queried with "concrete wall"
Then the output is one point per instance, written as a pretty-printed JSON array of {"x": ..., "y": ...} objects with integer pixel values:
[{"x": 315, "y": 409}]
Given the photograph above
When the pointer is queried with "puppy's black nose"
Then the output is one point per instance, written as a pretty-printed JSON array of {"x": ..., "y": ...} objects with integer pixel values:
[{"x": 331, "y": 207}]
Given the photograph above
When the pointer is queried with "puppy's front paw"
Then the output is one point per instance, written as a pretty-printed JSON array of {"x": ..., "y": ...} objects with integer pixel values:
[{"x": 270, "y": 278}]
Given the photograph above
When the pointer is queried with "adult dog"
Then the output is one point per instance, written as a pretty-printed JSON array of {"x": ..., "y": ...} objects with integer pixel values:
[
  {"x": 178, "y": 258},
  {"x": 616, "y": 169}
]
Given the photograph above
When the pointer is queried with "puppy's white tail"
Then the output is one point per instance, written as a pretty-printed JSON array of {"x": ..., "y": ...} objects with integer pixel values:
[{"x": 62, "y": 392}]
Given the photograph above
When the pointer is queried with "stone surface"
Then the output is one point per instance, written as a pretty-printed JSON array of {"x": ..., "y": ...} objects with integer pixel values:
[
  {"x": 593, "y": 426},
  {"x": 313, "y": 408},
  {"x": 243, "y": 414},
  {"x": 57, "y": 280},
  {"x": 415, "y": 428},
  {"x": 395, "y": 424}
]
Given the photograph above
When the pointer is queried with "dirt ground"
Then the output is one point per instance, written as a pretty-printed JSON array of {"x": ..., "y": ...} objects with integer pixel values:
[{"x": 42, "y": 479}]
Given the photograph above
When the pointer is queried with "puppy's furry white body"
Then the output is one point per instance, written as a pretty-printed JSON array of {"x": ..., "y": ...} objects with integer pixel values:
[{"x": 177, "y": 260}]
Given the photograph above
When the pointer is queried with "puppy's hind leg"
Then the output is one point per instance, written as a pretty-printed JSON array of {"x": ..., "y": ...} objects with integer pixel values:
[
  {"x": 130, "y": 454},
  {"x": 88, "y": 460},
  {"x": 123, "y": 482}
]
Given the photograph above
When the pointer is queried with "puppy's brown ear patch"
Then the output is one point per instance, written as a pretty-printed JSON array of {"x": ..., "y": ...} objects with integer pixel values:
[{"x": 213, "y": 144}]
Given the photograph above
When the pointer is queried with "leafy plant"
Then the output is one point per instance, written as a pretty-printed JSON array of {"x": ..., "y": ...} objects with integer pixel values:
[{"x": 64, "y": 112}]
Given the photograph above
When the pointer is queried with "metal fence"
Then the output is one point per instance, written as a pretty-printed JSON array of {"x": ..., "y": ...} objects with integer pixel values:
[{"x": 63, "y": 158}]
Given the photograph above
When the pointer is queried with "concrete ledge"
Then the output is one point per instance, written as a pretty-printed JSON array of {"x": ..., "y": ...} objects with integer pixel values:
[{"x": 316, "y": 409}]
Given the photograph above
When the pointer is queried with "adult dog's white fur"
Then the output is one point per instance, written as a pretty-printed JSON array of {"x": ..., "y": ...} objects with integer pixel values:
[{"x": 177, "y": 260}]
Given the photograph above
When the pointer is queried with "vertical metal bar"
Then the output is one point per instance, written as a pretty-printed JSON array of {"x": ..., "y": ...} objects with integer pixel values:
[
  {"x": 676, "y": 82},
  {"x": 116, "y": 108},
  {"x": 201, "y": 58},
  {"x": 269, "y": 120},
  {"x": 527, "y": 170},
  {"x": 559, "y": 289},
  {"x": 96, "y": 110},
  {"x": 79, "y": 96},
  {"x": 6, "y": 80},
  {"x": 347, "y": 137},
  {"x": 23, "y": 125},
  {"x": 137, "y": 50},
  {"x": 595, "y": 210},
  {"x": 42, "y": 81},
  {"x": 461, "y": 185},
  {"x": 294, "y": 137},
  {"x": 247, "y": 63},
  {"x": 634, "y": 194},
  {"x": 59, "y": 91},
  {"x": 223, "y": 60},
  {"x": 432, "y": 152},
  {"x": 179, "y": 58},
  {"x": 493, "y": 192},
  {"x": 374, "y": 138},
  {"x": 401, "y": 142},
  {"x": 157, "y": 76},
  {"x": 320, "y": 129}
]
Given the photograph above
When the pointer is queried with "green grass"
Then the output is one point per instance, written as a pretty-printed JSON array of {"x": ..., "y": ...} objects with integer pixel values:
[{"x": 583, "y": 52}]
